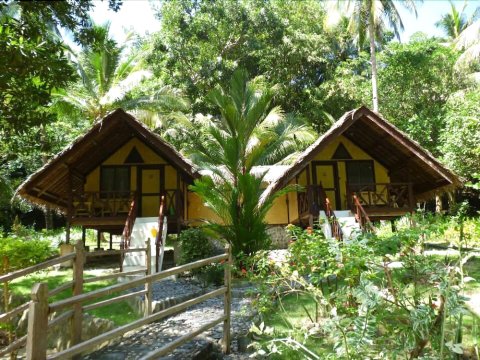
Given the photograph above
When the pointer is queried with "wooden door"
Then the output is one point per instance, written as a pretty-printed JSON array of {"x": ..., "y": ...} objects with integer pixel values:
[
  {"x": 326, "y": 174},
  {"x": 150, "y": 187}
]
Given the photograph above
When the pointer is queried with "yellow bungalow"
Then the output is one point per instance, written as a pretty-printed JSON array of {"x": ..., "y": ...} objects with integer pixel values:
[
  {"x": 119, "y": 167},
  {"x": 361, "y": 161},
  {"x": 118, "y": 170}
]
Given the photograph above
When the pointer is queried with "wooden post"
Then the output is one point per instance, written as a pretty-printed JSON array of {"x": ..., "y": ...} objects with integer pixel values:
[
  {"x": 69, "y": 206},
  {"x": 158, "y": 238},
  {"x": 99, "y": 236},
  {"x": 6, "y": 302},
  {"x": 76, "y": 325},
  {"x": 148, "y": 284},
  {"x": 111, "y": 242},
  {"x": 410, "y": 197},
  {"x": 227, "y": 300},
  {"x": 122, "y": 254},
  {"x": 84, "y": 235},
  {"x": 37, "y": 323}
]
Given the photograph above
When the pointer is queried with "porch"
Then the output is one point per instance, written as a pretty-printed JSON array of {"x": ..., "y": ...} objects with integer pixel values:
[
  {"x": 381, "y": 201},
  {"x": 108, "y": 211}
]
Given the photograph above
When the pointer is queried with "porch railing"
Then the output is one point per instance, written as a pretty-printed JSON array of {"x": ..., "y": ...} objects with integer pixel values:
[
  {"x": 390, "y": 195},
  {"x": 101, "y": 203},
  {"x": 118, "y": 203},
  {"x": 313, "y": 201},
  {"x": 361, "y": 216},
  {"x": 173, "y": 203}
]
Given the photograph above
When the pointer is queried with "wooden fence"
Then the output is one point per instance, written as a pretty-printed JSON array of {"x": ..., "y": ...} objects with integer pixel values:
[
  {"x": 77, "y": 283},
  {"x": 72, "y": 308}
]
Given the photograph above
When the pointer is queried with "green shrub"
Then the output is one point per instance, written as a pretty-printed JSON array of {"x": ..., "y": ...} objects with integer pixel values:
[
  {"x": 23, "y": 253},
  {"x": 195, "y": 245}
]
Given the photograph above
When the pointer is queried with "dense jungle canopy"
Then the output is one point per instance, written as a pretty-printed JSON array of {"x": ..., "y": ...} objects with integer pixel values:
[{"x": 52, "y": 89}]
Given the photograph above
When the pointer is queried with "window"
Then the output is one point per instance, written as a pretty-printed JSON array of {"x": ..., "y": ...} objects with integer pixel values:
[
  {"x": 360, "y": 175},
  {"x": 115, "y": 179}
]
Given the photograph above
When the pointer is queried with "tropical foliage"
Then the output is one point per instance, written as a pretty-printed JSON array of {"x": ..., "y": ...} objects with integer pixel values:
[
  {"x": 249, "y": 132},
  {"x": 374, "y": 297},
  {"x": 369, "y": 19},
  {"x": 111, "y": 78}
]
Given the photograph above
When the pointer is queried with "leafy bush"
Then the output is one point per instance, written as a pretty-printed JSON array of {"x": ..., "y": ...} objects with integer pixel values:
[
  {"x": 195, "y": 245},
  {"x": 24, "y": 253},
  {"x": 373, "y": 296}
]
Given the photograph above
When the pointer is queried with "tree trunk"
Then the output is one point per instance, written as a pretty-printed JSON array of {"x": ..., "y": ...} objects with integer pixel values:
[{"x": 373, "y": 60}]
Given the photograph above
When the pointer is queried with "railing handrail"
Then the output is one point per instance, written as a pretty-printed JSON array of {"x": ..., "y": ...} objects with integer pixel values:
[
  {"x": 34, "y": 268},
  {"x": 79, "y": 299},
  {"x": 39, "y": 308},
  {"x": 158, "y": 238},
  {"x": 333, "y": 220},
  {"x": 132, "y": 215},
  {"x": 361, "y": 215}
]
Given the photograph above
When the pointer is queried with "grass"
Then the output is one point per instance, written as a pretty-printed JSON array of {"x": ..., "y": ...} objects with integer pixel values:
[
  {"x": 296, "y": 311},
  {"x": 120, "y": 313},
  {"x": 472, "y": 269}
]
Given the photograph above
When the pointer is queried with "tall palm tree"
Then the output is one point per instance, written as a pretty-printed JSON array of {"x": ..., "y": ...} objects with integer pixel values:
[
  {"x": 249, "y": 131},
  {"x": 368, "y": 18},
  {"x": 111, "y": 78},
  {"x": 454, "y": 22}
]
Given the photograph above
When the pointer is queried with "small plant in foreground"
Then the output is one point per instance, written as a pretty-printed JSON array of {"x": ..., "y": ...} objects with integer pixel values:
[{"x": 381, "y": 298}]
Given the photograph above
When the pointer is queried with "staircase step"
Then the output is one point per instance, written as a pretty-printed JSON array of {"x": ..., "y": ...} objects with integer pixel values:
[
  {"x": 343, "y": 213},
  {"x": 144, "y": 228}
]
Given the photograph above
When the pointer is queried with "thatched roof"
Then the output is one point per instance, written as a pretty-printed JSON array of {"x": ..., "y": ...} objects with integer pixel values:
[
  {"x": 49, "y": 185},
  {"x": 404, "y": 158}
]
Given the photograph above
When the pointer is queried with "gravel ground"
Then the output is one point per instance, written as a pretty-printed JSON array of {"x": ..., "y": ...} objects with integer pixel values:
[{"x": 138, "y": 343}]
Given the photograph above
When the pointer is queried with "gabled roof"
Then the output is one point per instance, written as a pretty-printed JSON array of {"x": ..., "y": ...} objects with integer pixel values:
[
  {"x": 49, "y": 185},
  {"x": 405, "y": 159}
]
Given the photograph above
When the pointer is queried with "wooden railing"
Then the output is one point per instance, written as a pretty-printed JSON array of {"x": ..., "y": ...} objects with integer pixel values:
[
  {"x": 313, "y": 201},
  {"x": 127, "y": 230},
  {"x": 76, "y": 283},
  {"x": 159, "y": 245},
  {"x": 73, "y": 307},
  {"x": 101, "y": 203},
  {"x": 390, "y": 195},
  {"x": 173, "y": 203},
  {"x": 332, "y": 218},
  {"x": 361, "y": 216},
  {"x": 333, "y": 221}
]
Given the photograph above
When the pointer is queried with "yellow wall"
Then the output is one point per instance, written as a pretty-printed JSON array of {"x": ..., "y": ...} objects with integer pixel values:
[
  {"x": 381, "y": 173},
  {"x": 150, "y": 204},
  {"x": 197, "y": 211},
  {"x": 279, "y": 214}
]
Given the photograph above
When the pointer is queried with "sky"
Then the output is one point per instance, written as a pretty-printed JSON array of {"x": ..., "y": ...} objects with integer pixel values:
[{"x": 139, "y": 16}]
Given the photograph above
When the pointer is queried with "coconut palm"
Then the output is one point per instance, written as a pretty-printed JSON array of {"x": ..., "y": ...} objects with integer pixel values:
[
  {"x": 249, "y": 131},
  {"x": 454, "y": 22},
  {"x": 368, "y": 19},
  {"x": 110, "y": 78}
]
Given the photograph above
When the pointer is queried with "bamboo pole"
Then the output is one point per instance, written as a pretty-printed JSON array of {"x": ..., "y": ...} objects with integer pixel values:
[
  {"x": 37, "y": 323},
  {"x": 227, "y": 300}
]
